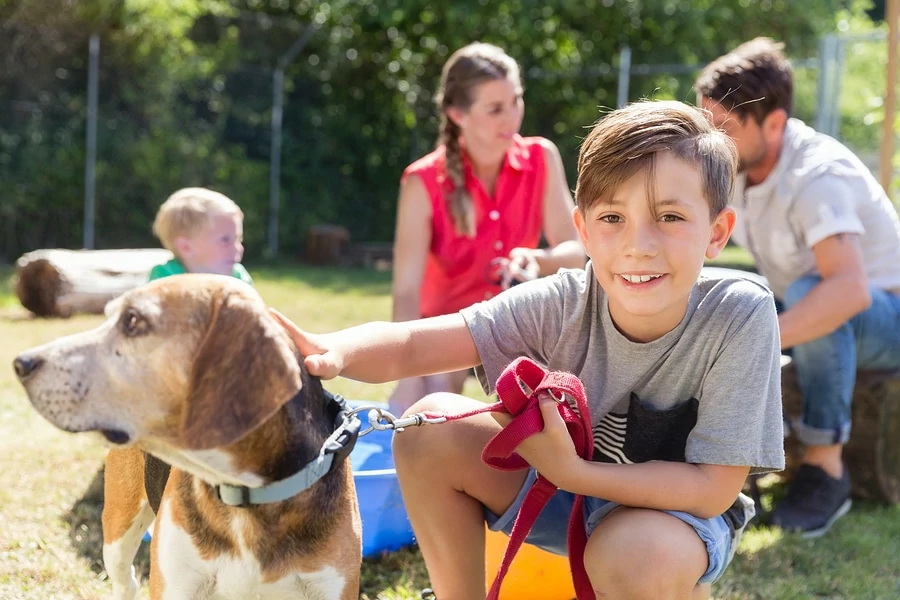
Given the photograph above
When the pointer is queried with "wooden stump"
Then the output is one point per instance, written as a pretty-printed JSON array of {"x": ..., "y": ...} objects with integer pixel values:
[
  {"x": 59, "y": 283},
  {"x": 873, "y": 453},
  {"x": 373, "y": 255},
  {"x": 327, "y": 244}
]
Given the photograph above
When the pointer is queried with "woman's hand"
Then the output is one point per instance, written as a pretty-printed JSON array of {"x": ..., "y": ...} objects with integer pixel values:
[
  {"x": 522, "y": 266},
  {"x": 320, "y": 358}
]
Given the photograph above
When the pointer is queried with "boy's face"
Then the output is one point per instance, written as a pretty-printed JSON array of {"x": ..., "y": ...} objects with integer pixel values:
[
  {"x": 215, "y": 248},
  {"x": 648, "y": 264}
]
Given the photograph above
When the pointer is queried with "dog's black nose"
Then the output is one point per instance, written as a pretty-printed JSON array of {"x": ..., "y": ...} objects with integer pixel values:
[{"x": 25, "y": 365}]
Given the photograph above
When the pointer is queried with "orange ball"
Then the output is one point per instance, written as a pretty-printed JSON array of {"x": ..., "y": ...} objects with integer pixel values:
[{"x": 534, "y": 574}]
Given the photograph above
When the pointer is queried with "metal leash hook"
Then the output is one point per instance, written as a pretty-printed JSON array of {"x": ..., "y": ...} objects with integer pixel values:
[{"x": 381, "y": 419}]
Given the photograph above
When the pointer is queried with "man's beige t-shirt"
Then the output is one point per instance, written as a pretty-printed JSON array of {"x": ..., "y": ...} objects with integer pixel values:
[{"x": 818, "y": 189}]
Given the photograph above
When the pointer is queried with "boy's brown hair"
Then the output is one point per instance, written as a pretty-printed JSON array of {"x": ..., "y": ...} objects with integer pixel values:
[
  {"x": 627, "y": 140},
  {"x": 188, "y": 211},
  {"x": 753, "y": 80}
]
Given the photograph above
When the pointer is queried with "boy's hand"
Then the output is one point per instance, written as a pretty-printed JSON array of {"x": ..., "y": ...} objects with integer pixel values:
[
  {"x": 551, "y": 452},
  {"x": 320, "y": 360}
]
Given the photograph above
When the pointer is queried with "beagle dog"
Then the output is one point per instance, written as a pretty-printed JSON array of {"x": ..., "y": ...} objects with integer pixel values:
[{"x": 193, "y": 371}]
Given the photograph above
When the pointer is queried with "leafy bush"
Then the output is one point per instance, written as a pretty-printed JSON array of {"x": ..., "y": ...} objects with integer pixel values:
[{"x": 185, "y": 97}]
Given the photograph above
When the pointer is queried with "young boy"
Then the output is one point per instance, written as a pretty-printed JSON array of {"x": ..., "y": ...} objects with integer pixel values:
[
  {"x": 682, "y": 376},
  {"x": 204, "y": 230}
]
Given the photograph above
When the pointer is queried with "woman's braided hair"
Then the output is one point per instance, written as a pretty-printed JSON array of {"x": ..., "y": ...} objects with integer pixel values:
[{"x": 467, "y": 68}]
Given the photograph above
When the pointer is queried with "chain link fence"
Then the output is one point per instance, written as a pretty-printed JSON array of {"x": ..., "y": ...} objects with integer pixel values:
[
  {"x": 850, "y": 95},
  {"x": 76, "y": 132}
]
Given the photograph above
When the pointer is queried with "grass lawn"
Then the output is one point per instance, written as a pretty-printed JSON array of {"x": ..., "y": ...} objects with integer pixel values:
[
  {"x": 50, "y": 501},
  {"x": 734, "y": 257}
]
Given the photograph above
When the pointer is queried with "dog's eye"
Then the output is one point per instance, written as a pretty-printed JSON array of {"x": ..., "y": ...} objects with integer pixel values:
[{"x": 132, "y": 324}]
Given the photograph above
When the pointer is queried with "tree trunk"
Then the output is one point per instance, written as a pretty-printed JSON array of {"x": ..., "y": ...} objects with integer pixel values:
[
  {"x": 873, "y": 453},
  {"x": 59, "y": 283}
]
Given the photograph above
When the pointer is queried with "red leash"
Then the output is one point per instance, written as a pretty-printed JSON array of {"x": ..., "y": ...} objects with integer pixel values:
[{"x": 499, "y": 453}]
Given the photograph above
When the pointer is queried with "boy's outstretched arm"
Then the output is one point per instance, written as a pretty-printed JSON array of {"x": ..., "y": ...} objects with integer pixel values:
[
  {"x": 378, "y": 352},
  {"x": 702, "y": 490}
]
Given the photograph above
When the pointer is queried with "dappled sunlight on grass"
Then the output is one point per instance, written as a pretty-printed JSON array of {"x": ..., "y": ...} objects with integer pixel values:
[
  {"x": 7, "y": 293},
  {"x": 317, "y": 302},
  {"x": 856, "y": 559},
  {"x": 734, "y": 257},
  {"x": 394, "y": 576},
  {"x": 45, "y": 472},
  {"x": 49, "y": 507},
  {"x": 351, "y": 281},
  {"x": 758, "y": 539}
]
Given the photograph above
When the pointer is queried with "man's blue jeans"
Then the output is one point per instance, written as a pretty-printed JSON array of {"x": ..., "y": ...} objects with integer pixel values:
[{"x": 826, "y": 367}]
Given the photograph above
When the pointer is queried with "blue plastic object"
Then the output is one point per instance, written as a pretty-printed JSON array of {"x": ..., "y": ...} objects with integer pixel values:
[{"x": 385, "y": 524}]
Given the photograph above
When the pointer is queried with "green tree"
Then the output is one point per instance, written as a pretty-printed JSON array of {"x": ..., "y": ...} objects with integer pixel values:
[{"x": 186, "y": 96}]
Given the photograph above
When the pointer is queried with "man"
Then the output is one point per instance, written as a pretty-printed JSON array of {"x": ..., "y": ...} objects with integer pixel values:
[{"x": 825, "y": 235}]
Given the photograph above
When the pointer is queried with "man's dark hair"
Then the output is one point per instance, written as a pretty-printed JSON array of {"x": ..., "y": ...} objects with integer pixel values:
[{"x": 753, "y": 80}]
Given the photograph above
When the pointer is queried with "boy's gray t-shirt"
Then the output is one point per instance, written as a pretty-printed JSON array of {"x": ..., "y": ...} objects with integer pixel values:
[{"x": 709, "y": 391}]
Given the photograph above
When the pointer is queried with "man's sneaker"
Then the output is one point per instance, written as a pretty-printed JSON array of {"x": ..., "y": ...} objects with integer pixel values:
[
  {"x": 428, "y": 594},
  {"x": 814, "y": 501}
]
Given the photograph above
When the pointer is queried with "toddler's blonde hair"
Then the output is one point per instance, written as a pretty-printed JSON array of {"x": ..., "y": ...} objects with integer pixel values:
[{"x": 186, "y": 212}]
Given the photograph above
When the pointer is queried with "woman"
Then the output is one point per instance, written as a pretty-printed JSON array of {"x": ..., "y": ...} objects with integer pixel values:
[{"x": 471, "y": 213}]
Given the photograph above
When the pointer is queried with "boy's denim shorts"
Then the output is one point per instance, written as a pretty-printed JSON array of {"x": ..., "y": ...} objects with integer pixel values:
[{"x": 720, "y": 535}]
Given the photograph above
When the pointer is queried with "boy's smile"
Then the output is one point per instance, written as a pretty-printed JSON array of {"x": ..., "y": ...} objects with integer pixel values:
[{"x": 648, "y": 242}]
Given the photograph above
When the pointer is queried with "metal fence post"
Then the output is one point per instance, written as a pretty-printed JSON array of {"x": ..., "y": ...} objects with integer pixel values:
[
  {"x": 275, "y": 159},
  {"x": 886, "y": 165},
  {"x": 277, "y": 119},
  {"x": 827, "y": 90},
  {"x": 834, "y": 126},
  {"x": 624, "y": 76},
  {"x": 90, "y": 158}
]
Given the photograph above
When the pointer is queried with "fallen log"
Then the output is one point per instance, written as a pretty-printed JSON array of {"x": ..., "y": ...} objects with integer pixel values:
[{"x": 60, "y": 283}]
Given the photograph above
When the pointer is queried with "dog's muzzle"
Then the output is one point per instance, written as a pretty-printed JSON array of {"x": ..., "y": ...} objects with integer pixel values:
[{"x": 25, "y": 365}]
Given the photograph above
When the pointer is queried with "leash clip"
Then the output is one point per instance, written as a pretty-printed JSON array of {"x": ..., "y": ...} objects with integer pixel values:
[
  {"x": 399, "y": 424},
  {"x": 381, "y": 419}
]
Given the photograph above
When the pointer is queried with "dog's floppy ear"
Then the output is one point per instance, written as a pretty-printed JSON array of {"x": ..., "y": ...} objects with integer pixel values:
[{"x": 245, "y": 370}]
